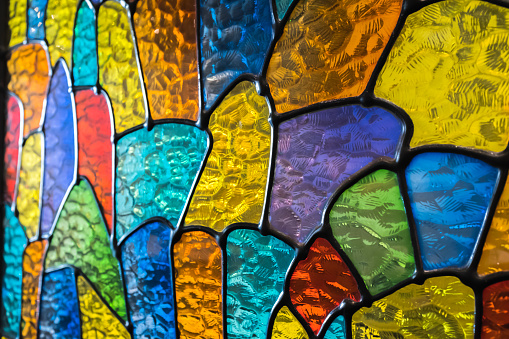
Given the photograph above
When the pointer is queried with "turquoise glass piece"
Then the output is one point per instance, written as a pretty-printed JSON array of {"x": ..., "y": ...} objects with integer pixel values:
[
  {"x": 84, "y": 57},
  {"x": 282, "y": 7},
  {"x": 155, "y": 172},
  {"x": 257, "y": 266},
  {"x": 449, "y": 195},
  {"x": 36, "y": 14},
  {"x": 337, "y": 329}
]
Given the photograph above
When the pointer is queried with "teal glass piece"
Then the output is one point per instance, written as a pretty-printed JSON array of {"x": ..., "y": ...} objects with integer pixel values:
[
  {"x": 36, "y": 14},
  {"x": 282, "y": 7},
  {"x": 256, "y": 266},
  {"x": 337, "y": 329},
  {"x": 155, "y": 172},
  {"x": 84, "y": 58}
]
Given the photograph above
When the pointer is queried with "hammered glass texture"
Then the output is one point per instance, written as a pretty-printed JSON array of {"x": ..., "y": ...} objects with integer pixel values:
[
  {"x": 17, "y": 21},
  {"x": 36, "y": 15},
  {"x": 337, "y": 329},
  {"x": 84, "y": 55},
  {"x": 286, "y": 326},
  {"x": 495, "y": 320},
  {"x": 449, "y": 195},
  {"x": 60, "y": 16},
  {"x": 12, "y": 144}
]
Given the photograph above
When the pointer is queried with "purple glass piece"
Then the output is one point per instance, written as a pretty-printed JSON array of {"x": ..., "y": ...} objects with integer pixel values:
[
  {"x": 59, "y": 152},
  {"x": 319, "y": 151}
]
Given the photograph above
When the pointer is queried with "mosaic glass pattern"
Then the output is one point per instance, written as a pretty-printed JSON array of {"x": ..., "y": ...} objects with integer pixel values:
[
  {"x": 84, "y": 55},
  {"x": 59, "y": 22},
  {"x": 12, "y": 144},
  {"x": 495, "y": 321},
  {"x": 286, "y": 326},
  {"x": 17, "y": 21},
  {"x": 36, "y": 15}
]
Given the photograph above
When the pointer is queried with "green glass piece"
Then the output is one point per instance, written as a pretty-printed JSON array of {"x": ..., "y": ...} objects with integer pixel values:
[{"x": 369, "y": 222}]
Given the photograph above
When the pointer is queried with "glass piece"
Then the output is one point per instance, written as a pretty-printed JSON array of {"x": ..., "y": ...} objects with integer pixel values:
[
  {"x": 282, "y": 6},
  {"x": 317, "y": 152},
  {"x": 80, "y": 239},
  {"x": 118, "y": 69},
  {"x": 257, "y": 267},
  {"x": 166, "y": 36},
  {"x": 329, "y": 50},
  {"x": 12, "y": 143},
  {"x": 369, "y": 222},
  {"x": 449, "y": 194},
  {"x": 198, "y": 282},
  {"x": 95, "y": 148},
  {"x": 60, "y": 16},
  {"x": 14, "y": 242},
  {"x": 29, "y": 71},
  {"x": 84, "y": 55},
  {"x": 36, "y": 15},
  {"x": 60, "y": 317},
  {"x": 155, "y": 173},
  {"x": 17, "y": 21},
  {"x": 28, "y": 197},
  {"x": 441, "y": 308},
  {"x": 33, "y": 260},
  {"x": 99, "y": 320},
  {"x": 337, "y": 329},
  {"x": 235, "y": 36},
  {"x": 495, "y": 320},
  {"x": 147, "y": 272},
  {"x": 444, "y": 73},
  {"x": 320, "y": 283},
  {"x": 232, "y": 186},
  {"x": 286, "y": 326},
  {"x": 60, "y": 146}
]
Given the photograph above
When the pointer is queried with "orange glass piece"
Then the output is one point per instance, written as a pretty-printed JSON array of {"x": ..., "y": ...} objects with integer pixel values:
[
  {"x": 12, "y": 143},
  {"x": 33, "y": 260},
  {"x": 232, "y": 186},
  {"x": 286, "y": 326},
  {"x": 59, "y": 23},
  {"x": 197, "y": 260},
  {"x": 495, "y": 320},
  {"x": 29, "y": 70},
  {"x": 329, "y": 50},
  {"x": 166, "y": 36}
]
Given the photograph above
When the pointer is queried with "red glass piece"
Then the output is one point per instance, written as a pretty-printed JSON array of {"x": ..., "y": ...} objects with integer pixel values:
[
  {"x": 11, "y": 147},
  {"x": 495, "y": 320}
]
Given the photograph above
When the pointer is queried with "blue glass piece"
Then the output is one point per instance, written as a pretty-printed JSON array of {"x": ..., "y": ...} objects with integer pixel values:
[
  {"x": 15, "y": 242},
  {"x": 60, "y": 146},
  {"x": 337, "y": 329},
  {"x": 36, "y": 14},
  {"x": 84, "y": 57},
  {"x": 257, "y": 267},
  {"x": 449, "y": 195},
  {"x": 235, "y": 36},
  {"x": 155, "y": 173},
  {"x": 59, "y": 311},
  {"x": 148, "y": 277}
]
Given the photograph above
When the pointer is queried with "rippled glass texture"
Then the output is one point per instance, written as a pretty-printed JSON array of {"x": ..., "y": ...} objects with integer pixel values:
[
  {"x": 12, "y": 144},
  {"x": 337, "y": 329},
  {"x": 286, "y": 326},
  {"x": 84, "y": 55},
  {"x": 495, "y": 321},
  {"x": 60, "y": 16},
  {"x": 36, "y": 15},
  {"x": 17, "y": 21}
]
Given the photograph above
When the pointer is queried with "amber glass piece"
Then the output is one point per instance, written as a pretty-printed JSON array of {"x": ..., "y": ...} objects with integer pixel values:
[
  {"x": 118, "y": 69},
  {"x": 286, "y": 326},
  {"x": 33, "y": 260},
  {"x": 29, "y": 71},
  {"x": 232, "y": 186},
  {"x": 12, "y": 140},
  {"x": 441, "y": 308},
  {"x": 329, "y": 50},
  {"x": 197, "y": 260},
  {"x": 17, "y": 21},
  {"x": 59, "y": 25},
  {"x": 166, "y": 36},
  {"x": 320, "y": 283},
  {"x": 495, "y": 320}
]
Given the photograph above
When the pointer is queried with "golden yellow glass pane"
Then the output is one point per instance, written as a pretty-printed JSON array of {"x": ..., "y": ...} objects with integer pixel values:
[
  {"x": 287, "y": 326},
  {"x": 17, "y": 21},
  {"x": 59, "y": 25}
]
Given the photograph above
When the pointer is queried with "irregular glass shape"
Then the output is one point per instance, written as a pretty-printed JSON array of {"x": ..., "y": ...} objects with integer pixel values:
[
  {"x": 12, "y": 143},
  {"x": 36, "y": 13},
  {"x": 60, "y": 16},
  {"x": 449, "y": 194},
  {"x": 118, "y": 69},
  {"x": 495, "y": 315},
  {"x": 235, "y": 36},
  {"x": 59, "y": 146},
  {"x": 337, "y": 329},
  {"x": 29, "y": 185},
  {"x": 441, "y": 308},
  {"x": 198, "y": 282},
  {"x": 84, "y": 55},
  {"x": 155, "y": 173},
  {"x": 232, "y": 186},
  {"x": 60, "y": 315},
  {"x": 95, "y": 147},
  {"x": 100, "y": 322},
  {"x": 286, "y": 326},
  {"x": 320, "y": 283},
  {"x": 166, "y": 36},
  {"x": 80, "y": 239},
  {"x": 17, "y": 21},
  {"x": 281, "y": 7},
  {"x": 29, "y": 71},
  {"x": 257, "y": 268},
  {"x": 329, "y": 50},
  {"x": 147, "y": 272},
  {"x": 369, "y": 223},
  {"x": 14, "y": 243},
  {"x": 317, "y": 152}
]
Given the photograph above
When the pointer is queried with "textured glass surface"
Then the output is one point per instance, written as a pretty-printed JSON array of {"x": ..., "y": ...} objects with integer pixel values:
[
  {"x": 17, "y": 21},
  {"x": 337, "y": 329},
  {"x": 282, "y": 7},
  {"x": 286, "y": 326},
  {"x": 495, "y": 321},
  {"x": 369, "y": 222},
  {"x": 84, "y": 55},
  {"x": 12, "y": 143},
  {"x": 60, "y": 16},
  {"x": 155, "y": 172},
  {"x": 36, "y": 13},
  {"x": 257, "y": 268},
  {"x": 449, "y": 194}
]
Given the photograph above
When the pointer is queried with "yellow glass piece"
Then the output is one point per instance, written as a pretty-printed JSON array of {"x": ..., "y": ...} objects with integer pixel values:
[
  {"x": 27, "y": 201},
  {"x": 118, "y": 68},
  {"x": 441, "y": 308},
  {"x": 329, "y": 50},
  {"x": 97, "y": 320},
  {"x": 448, "y": 71},
  {"x": 17, "y": 21},
  {"x": 232, "y": 186},
  {"x": 286, "y": 326},
  {"x": 59, "y": 29}
]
